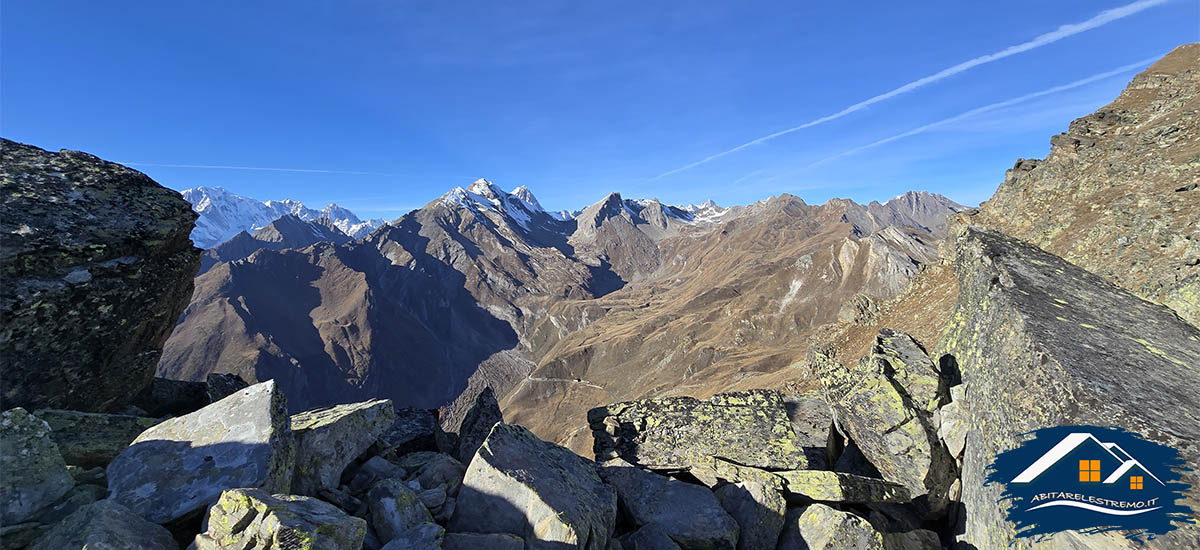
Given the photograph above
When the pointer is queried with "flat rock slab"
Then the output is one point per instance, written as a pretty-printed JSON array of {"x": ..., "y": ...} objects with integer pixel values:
[
  {"x": 751, "y": 428},
  {"x": 88, "y": 440},
  {"x": 105, "y": 525},
  {"x": 253, "y": 518},
  {"x": 32, "y": 472},
  {"x": 183, "y": 464},
  {"x": 551, "y": 497},
  {"x": 826, "y": 486},
  {"x": 329, "y": 439},
  {"x": 1083, "y": 341},
  {"x": 689, "y": 514}
]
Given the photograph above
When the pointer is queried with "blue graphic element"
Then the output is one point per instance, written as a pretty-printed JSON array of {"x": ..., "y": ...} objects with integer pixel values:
[{"x": 1092, "y": 479}]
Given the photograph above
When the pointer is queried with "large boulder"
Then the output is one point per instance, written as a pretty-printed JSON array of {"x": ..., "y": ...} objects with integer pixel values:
[
  {"x": 826, "y": 486},
  {"x": 329, "y": 439},
  {"x": 106, "y": 525},
  {"x": 751, "y": 428},
  {"x": 92, "y": 439},
  {"x": 480, "y": 541},
  {"x": 812, "y": 422},
  {"x": 477, "y": 425},
  {"x": 758, "y": 511},
  {"x": 885, "y": 405},
  {"x": 167, "y": 397},
  {"x": 252, "y": 518},
  {"x": 183, "y": 464},
  {"x": 97, "y": 266},
  {"x": 414, "y": 430},
  {"x": 689, "y": 514},
  {"x": 820, "y": 527},
  {"x": 519, "y": 484},
  {"x": 1052, "y": 338},
  {"x": 32, "y": 472},
  {"x": 395, "y": 509}
]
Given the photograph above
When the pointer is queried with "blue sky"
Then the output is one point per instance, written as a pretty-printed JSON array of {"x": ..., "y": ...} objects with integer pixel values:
[{"x": 392, "y": 103}]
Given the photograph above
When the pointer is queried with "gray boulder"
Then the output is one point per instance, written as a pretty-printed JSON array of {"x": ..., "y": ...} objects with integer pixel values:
[
  {"x": 758, "y": 511},
  {"x": 32, "y": 472},
  {"x": 826, "y": 486},
  {"x": 167, "y": 397},
  {"x": 97, "y": 266},
  {"x": 106, "y": 525},
  {"x": 92, "y": 439},
  {"x": 650, "y": 537},
  {"x": 749, "y": 428},
  {"x": 689, "y": 514},
  {"x": 477, "y": 425},
  {"x": 329, "y": 439},
  {"x": 395, "y": 509},
  {"x": 252, "y": 518},
  {"x": 812, "y": 422},
  {"x": 414, "y": 430},
  {"x": 482, "y": 541},
  {"x": 434, "y": 470},
  {"x": 427, "y": 536},
  {"x": 519, "y": 484},
  {"x": 183, "y": 464},
  {"x": 220, "y": 385},
  {"x": 820, "y": 527}
]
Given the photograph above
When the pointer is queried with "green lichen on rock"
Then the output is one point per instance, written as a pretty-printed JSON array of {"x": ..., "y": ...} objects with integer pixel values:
[
  {"x": 328, "y": 439},
  {"x": 102, "y": 525},
  {"x": 254, "y": 518},
  {"x": 32, "y": 472},
  {"x": 826, "y": 486}
]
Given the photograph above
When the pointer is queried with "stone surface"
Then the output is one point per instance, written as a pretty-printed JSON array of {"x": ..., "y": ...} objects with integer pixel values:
[
  {"x": 427, "y": 536},
  {"x": 689, "y": 514},
  {"x": 395, "y": 509},
  {"x": 435, "y": 469},
  {"x": 751, "y": 428},
  {"x": 885, "y": 404},
  {"x": 97, "y": 266},
  {"x": 820, "y": 527},
  {"x": 373, "y": 470},
  {"x": 413, "y": 430},
  {"x": 184, "y": 463},
  {"x": 952, "y": 428},
  {"x": 1024, "y": 315},
  {"x": 650, "y": 537},
  {"x": 223, "y": 384},
  {"x": 812, "y": 422},
  {"x": 480, "y": 541},
  {"x": 329, "y": 439},
  {"x": 758, "y": 510},
  {"x": 92, "y": 439},
  {"x": 166, "y": 397},
  {"x": 32, "y": 472},
  {"x": 78, "y": 497},
  {"x": 826, "y": 486},
  {"x": 252, "y": 518},
  {"x": 106, "y": 525},
  {"x": 477, "y": 424},
  {"x": 519, "y": 484}
]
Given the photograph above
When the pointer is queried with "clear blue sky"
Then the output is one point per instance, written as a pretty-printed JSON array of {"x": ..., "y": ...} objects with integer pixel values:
[{"x": 573, "y": 99}]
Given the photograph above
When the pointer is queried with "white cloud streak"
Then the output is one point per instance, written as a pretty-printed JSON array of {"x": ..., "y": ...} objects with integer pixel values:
[
  {"x": 992, "y": 107},
  {"x": 1064, "y": 31}
]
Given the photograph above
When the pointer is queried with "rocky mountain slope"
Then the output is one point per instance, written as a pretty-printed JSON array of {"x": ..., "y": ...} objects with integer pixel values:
[
  {"x": 223, "y": 215},
  {"x": 288, "y": 231}
]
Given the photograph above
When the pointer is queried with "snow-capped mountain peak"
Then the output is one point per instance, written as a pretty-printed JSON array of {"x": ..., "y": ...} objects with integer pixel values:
[
  {"x": 224, "y": 214},
  {"x": 526, "y": 196}
]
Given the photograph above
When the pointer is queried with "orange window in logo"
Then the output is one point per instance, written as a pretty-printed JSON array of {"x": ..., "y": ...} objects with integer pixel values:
[
  {"x": 1135, "y": 482},
  {"x": 1089, "y": 471}
]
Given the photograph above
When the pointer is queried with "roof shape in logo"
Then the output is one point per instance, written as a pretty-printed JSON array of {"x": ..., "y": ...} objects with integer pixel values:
[{"x": 1070, "y": 443}]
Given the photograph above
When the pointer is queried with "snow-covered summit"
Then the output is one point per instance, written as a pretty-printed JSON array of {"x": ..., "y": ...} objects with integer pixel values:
[{"x": 224, "y": 214}]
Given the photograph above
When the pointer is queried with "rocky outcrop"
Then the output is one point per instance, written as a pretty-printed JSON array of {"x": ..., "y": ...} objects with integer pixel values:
[
  {"x": 253, "y": 518},
  {"x": 1025, "y": 315},
  {"x": 519, "y": 484},
  {"x": 106, "y": 525},
  {"x": 476, "y": 541},
  {"x": 688, "y": 514},
  {"x": 395, "y": 509},
  {"x": 758, "y": 510},
  {"x": 820, "y": 485},
  {"x": 328, "y": 439},
  {"x": 183, "y": 464},
  {"x": 97, "y": 267},
  {"x": 748, "y": 428},
  {"x": 32, "y": 472},
  {"x": 89, "y": 440},
  {"x": 820, "y": 527},
  {"x": 477, "y": 424},
  {"x": 414, "y": 430}
]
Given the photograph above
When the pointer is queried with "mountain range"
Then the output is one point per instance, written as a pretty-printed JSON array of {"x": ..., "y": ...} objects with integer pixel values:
[{"x": 223, "y": 215}]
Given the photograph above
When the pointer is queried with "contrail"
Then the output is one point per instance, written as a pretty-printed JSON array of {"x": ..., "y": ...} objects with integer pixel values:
[
  {"x": 257, "y": 168},
  {"x": 994, "y": 106},
  {"x": 1064, "y": 31}
]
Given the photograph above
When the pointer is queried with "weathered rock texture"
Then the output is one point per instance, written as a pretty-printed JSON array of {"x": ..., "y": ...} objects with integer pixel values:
[
  {"x": 820, "y": 527},
  {"x": 689, "y": 514},
  {"x": 32, "y": 472},
  {"x": 749, "y": 428},
  {"x": 551, "y": 497},
  {"x": 183, "y": 464},
  {"x": 106, "y": 525},
  {"x": 328, "y": 439},
  {"x": 97, "y": 266},
  {"x": 92, "y": 439},
  {"x": 758, "y": 510},
  {"x": 1040, "y": 343},
  {"x": 252, "y": 518},
  {"x": 477, "y": 425}
]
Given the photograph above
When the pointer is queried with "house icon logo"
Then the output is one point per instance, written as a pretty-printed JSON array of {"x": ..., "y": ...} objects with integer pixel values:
[{"x": 1092, "y": 479}]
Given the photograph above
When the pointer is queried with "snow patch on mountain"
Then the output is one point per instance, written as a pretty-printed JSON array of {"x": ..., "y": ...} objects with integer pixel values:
[{"x": 224, "y": 214}]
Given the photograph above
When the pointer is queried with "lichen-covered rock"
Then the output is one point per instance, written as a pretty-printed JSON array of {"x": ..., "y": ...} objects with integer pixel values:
[
  {"x": 811, "y": 422},
  {"x": 1025, "y": 315},
  {"x": 106, "y": 525},
  {"x": 718, "y": 471},
  {"x": 32, "y": 472},
  {"x": 395, "y": 509},
  {"x": 820, "y": 527},
  {"x": 751, "y": 428},
  {"x": 689, "y": 514},
  {"x": 952, "y": 422},
  {"x": 758, "y": 511},
  {"x": 97, "y": 266},
  {"x": 519, "y": 484},
  {"x": 92, "y": 439},
  {"x": 413, "y": 430},
  {"x": 480, "y": 541},
  {"x": 329, "y": 439},
  {"x": 885, "y": 404},
  {"x": 252, "y": 518},
  {"x": 476, "y": 426},
  {"x": 184, "y": 463},
  {"x": 826, "y": 486}
]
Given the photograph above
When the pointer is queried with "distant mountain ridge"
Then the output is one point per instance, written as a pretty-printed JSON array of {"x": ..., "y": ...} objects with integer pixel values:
[{"x": 224, "y": 214}]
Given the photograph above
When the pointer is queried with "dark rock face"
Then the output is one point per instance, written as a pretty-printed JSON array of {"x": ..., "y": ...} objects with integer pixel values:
[
  {"x": 1099, "y": 355},
  {"x": 97, "y": 266},
  {"x": 89, "y": 440},
  {"x": 689, "y": 514},
  {"x": 477, "y": 425}
]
